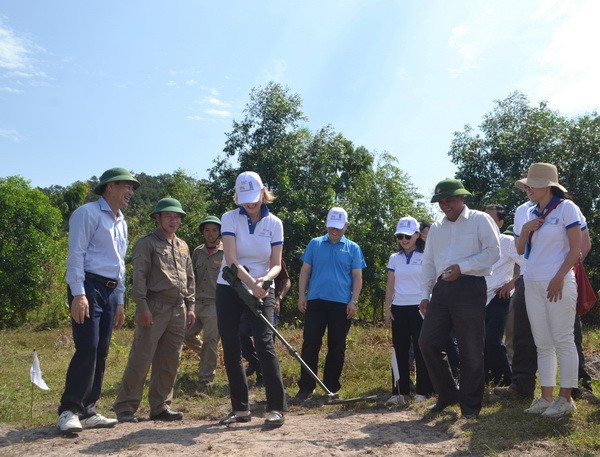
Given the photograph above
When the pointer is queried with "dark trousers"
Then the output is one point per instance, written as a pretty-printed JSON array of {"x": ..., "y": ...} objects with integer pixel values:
[
  {"x": 247, "y": 345},
  {"x": 524, "y": 362},
  {"x": 321, "y": 315},
  {"x": 497, "y": 368},
  {"x": 85, "y": 374},
  {"x": 458, "y": 305},
  {"x": 406, "y": 328},
  {"x": 584, "y": 377},
  {"x": 229, "y": 314}
]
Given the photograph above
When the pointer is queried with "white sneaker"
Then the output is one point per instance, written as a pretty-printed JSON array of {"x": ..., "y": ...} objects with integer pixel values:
[
  {"x": 560, "y": 407},
  {"x": 69, "y": 422},
  {"x": 98, "y": 421},
  {"x": 395, "y": 400},
  {"x": 538, "y": 406},
  {"x": 420, "y": 397}
]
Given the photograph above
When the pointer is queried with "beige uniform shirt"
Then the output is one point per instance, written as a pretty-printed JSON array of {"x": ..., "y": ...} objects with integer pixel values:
[
  {"x": 206, "y": 270},
  {"x": 162, "y": 271}
]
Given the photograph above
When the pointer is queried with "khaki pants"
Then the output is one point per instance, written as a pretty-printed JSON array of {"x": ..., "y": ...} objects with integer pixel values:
[
  {"x": 206, "y": 348},
  {"x": 160, "y": 346}
]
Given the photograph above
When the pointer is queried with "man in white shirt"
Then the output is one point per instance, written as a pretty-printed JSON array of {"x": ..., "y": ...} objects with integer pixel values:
[{"x": 460, "y": 251}]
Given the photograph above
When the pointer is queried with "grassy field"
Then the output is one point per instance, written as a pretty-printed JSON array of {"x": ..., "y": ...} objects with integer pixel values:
[{"x": 502, "y": 425}]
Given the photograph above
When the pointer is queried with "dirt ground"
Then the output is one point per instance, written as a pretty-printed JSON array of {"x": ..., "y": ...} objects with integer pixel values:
[{"x": 374, "y": 433}]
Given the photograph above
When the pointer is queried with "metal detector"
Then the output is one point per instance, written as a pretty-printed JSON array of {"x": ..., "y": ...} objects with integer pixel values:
[{"x": 255, "y": 304}]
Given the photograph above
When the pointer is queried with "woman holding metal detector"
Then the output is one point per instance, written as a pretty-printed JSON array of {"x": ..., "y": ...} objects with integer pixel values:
[{"x": 252, "y": 241}]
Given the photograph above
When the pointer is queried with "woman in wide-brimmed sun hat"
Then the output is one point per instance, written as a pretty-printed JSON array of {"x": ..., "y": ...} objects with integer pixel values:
[{"x": 549, "y": 236}]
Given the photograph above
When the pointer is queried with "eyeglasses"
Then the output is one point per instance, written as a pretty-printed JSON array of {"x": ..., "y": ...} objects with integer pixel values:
[{"x": 402, "y": 236}]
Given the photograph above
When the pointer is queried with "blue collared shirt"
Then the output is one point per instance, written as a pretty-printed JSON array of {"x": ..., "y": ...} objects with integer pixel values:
[
  {"x": 331, "y": 268},
  {"x": 97, "y": 244}
]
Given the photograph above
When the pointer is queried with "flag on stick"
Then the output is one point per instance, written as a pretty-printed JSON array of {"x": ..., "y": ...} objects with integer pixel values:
[
  {"x": 36, "y": 373},
  {"x": 395, "y": 370}
]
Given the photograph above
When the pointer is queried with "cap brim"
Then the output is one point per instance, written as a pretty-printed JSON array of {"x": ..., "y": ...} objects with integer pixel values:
[
  {"x": 438, "y": 197},
  {"x": 336, "y": 225},
  {"x": 406, "y": 232},
  {"x": 249, "y": 197}
]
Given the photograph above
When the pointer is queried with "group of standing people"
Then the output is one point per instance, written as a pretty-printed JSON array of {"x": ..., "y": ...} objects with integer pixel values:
[
  {"x": 465, "y": 274},
  {"x": 434, "y": 289}
]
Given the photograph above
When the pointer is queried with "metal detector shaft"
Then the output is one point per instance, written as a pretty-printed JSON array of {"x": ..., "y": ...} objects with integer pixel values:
[{"x": 255, "y": 304}]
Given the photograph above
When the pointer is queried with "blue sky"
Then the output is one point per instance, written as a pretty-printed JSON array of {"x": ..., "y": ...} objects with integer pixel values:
[{"x": 154, "y": 86}]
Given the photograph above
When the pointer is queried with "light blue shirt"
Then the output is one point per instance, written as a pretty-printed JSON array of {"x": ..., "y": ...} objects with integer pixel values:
[
  {"x": 97, "y": 244},
  {"x": 331, "y": 268}
]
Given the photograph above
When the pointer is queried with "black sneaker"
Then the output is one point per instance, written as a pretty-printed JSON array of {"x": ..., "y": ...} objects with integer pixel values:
[
  {"x": 126, "y": 416},
  {"x": 300, "y": 397},
  {"x": 168, "y": 416}
]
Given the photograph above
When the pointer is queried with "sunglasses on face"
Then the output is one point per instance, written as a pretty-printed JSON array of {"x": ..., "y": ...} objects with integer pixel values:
[{"x": 402, "y": 236}]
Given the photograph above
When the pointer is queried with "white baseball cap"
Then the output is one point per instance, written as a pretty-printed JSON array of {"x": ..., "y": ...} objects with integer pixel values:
[
  {"x": 337, "y": 218},
  {"x": 248, "y": 186},
  {"x": 407, "y": 226}
]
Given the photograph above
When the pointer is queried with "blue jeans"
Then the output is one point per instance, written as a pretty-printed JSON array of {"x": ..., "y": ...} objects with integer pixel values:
[{"x": 85, "y": 374}]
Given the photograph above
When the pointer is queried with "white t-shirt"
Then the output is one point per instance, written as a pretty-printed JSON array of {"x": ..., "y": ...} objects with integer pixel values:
[
  {"x": 253, "y": 242},
  {"x": 550, "y": 243},
  {"x": 407, "y": 277}
]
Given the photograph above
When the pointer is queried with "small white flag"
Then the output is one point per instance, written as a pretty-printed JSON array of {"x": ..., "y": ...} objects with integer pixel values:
[
  {"x": 36, "y": 373},
  {"x": 395, "y": 370}
]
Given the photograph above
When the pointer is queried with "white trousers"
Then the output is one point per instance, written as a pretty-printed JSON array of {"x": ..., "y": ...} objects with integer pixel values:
[{"x": 552, "y": 328}]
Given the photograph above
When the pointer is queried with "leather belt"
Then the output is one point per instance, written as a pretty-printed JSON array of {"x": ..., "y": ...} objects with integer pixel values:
[{"x": 110, "y": 283}]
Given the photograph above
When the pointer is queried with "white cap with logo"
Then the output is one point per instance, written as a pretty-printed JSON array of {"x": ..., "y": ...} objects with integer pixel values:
[
  {"x": 248, "y": 186},
  {"x": 407, "y": 226},
  {"x": 337, "y": 218}
]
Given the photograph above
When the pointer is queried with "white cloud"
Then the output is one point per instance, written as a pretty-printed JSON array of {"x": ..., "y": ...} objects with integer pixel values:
[
  {"x": 218, "y": 113},
  {"x": 171, "y": 83},
  {"x": 217, "y": 102},
  {"x": 277, "y": 71},
  {"x": 14, "y": 52},
  {"x": 11, "y": 134},
  {"x": 191, "y": 82},
  {"x": 10, "y": 90},
  {"x": 570, "y": 69}
]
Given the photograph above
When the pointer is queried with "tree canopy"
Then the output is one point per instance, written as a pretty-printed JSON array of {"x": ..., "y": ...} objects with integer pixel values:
[
  {"x": 515, "y": 135},
  {"x": 310, "y": 173}
]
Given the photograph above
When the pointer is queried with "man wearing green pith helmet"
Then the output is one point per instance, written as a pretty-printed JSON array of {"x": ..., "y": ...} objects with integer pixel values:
[
  {"x": 163, "y": 290},
  {"x": 207, "y": 260}
]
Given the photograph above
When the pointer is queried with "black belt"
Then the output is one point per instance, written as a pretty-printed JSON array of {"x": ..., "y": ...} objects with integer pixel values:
[{"x": 110, "y": 283}]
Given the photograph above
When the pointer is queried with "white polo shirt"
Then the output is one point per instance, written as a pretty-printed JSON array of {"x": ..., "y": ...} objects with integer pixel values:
[
  {"x": 550, "y": 243},
  {"x": 253, "y": 242},
  {"x": 407, "y": 277}
]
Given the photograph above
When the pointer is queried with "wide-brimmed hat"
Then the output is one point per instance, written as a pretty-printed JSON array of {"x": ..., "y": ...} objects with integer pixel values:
[
  {"x": 248, "y": 187},
  {"x": 407, "y": 226},
  {"x": 448, "y": 188},
  {"x": 115, "y": 175},
  {"x": 540, "y": 175},
  {"x": 168, "y": 205}
]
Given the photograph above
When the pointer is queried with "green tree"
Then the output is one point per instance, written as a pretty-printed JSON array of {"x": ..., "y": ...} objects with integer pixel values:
[
  {"x": 310, "y": 174},
  {"x": 30, "y": 250},
  {"x": 515, "y": 135}
]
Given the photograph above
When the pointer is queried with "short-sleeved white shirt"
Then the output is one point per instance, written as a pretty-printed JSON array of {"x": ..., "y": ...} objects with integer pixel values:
[
  {"x": 550, "y": 243},
  {"x": 253, "y": 242},
  {"x": 407, "y": 277}
]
